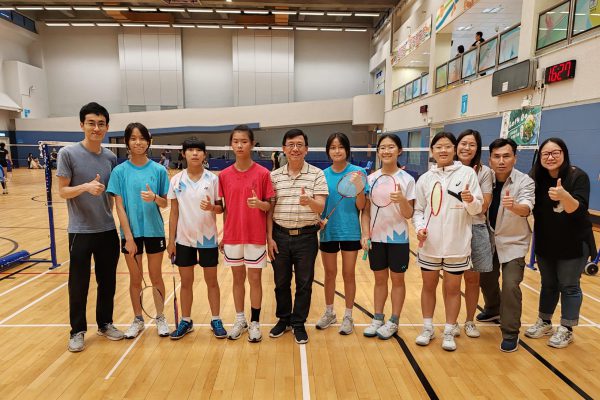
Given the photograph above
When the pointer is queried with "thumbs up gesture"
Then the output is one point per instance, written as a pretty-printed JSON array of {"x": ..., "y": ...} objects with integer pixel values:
[
  {"x": 304, "y": 198},
  {"x": 94, "y": 187},
  {"x": 206, "y": 204},
  {"x": 253, "y": 201},
  {"x": 508, "y": 201},
  {"x": 557, "y": 193},
  {"x": 148, "y": 195},
  {"x": 466, "y": 195},
  {"x": 397, "y": 196}
]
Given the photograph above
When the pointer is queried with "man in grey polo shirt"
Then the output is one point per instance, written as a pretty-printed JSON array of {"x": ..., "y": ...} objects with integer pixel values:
[
  {"x": 292, "y": 226},
  {"x": 83, "y": 172},
  {"x": 513, "y": 198}
]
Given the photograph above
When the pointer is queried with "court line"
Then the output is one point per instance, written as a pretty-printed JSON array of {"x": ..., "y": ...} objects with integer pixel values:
[
  {"x": 30, "y": 280},
  {"x": 407, "y": 353},
  {"x": 304, "y": 369},
  {"x": 114, "y": 368},
  {"x": 33, "y": 303}
]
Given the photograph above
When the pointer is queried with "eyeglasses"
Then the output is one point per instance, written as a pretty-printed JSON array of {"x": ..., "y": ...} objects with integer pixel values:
[
  {"x": 292, "y": 146},
  {"x": 555, "y": 154},
  {"x": 100, "y": 125},
  {"x": 387, "y": 148},
  {"x": 468, "y": 145},
  {"x": 440, "y": 148}
]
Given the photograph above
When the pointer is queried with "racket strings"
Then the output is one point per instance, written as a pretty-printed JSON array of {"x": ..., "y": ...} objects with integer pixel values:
[{"x": 155, "y": 307}]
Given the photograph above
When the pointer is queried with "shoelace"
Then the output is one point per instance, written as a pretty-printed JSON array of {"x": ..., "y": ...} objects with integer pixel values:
[{"x": 218, "y": 324}]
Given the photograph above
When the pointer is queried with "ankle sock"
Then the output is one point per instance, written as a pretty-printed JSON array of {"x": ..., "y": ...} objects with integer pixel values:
[
  {"x": 428, "y": 323},
  {"x": 255, "y": 314},
  {"x": 394, "y": 319},
  {"x": 348, "y": 312},
  {"x": 240, "y": 316},
  {"x": 379, "y": 317},
  {"x": 329, "y": 308}
]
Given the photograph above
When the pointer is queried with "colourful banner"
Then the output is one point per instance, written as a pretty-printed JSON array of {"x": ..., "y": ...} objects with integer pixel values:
[
  {"x": 449, "y": 10},
  {"x": 522, "y": 126},
  {"x": 413, "y": 41}
]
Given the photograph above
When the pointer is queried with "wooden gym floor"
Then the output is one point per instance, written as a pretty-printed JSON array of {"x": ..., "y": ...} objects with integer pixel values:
[{"x": 34, "y": 328}]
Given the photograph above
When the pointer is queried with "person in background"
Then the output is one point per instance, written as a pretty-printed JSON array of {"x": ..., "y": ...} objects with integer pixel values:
[
  {"x": 478, "y": 39},
  {"x": 461, "y": 50},
  {"x": 563, "y": 239}
]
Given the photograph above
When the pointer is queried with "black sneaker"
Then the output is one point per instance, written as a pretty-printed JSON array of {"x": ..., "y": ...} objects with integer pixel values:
[
  {"x": 509, "y": 345},
  {"x": 485, "y": 316},
  {"x": 281, "y": 327},
  {"x": 300, "y": 334}
]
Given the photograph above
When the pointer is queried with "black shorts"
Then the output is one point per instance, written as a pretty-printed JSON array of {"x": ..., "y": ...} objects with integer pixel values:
[
  {"x": 152, "y": 245},
  {"x": 389, "y": 255},
  {"x": 3, "y": 163},
  {"x": 344, "y": 245},
  {"x": 189, "y": 256}
]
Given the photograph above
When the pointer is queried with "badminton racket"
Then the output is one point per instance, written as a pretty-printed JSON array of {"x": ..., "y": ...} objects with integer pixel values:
[
  {"x": 350, "y": 186},
  {"x": 435, "y": 205},
  {"x": 152, "y": 308},
  {"x": 175, "y": 302},
  {"x": 381, "y": 189}
]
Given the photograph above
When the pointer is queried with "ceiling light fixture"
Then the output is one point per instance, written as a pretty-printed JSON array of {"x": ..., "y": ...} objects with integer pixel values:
[
  {"x": 107, "y": 24},
  {"x": 312, "y": 13},
  {"x": 232, "y": 26},
  {"x": 355, "y": 30},
  {"x": 306, "y": 28},
  {"x": 256, "y": 12},
  {"x": 200, "y": 10},
  {"x": 170, "y": 9},
  {"x": 7, "y": 8},
  {"x": 82, "y": 8},
  {"x": 183, "y": 26},
  {"x": 331, "y": 29},
  {"x": 283, "y": 28},
  {"x": 56, "y": 24},
  {"x": 226, "y": 11},
  {"x": 158, "y": 25},
  {"x": 279, "y": 12},
  {"x": 143, "y": 9},
  {"x": 82, "y": 24},
  {"x": 129, "y": 25},
  {"x": 57, "y": 8},
  {"x": 30, "y": 8},
  {"x": 366, "y": 14},
  {"x": 208, "y": 26},
  {"x": 339, "y": 14},
  {"x": 115, "y": 8}
]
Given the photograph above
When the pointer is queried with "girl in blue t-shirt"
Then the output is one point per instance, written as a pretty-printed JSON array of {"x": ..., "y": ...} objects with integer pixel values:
[
  {"x": 140, "y": 188},
  {"x": 341, "y": 233}
]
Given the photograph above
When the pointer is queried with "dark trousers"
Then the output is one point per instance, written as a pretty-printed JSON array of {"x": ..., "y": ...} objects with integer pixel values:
[
  {"x": 560, "y": 278},
  {"x": 508, "y": 302},
  {"x": 297, "y": 256},
  {"x": 104, "y": 248}
]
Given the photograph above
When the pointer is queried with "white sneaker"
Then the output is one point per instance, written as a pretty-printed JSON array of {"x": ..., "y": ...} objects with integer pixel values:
[
  {"x": 448, "y": 343},
  {"x": 136, "y": 327},
  {"x": 425, "y": 337},
  {"x": 76, "y": 342},
  {"x": 162, "y": 326},
  {"x": 387, "y": 330},
  {"x": 455, "y": 330},
  {"x": 254, "y": 334},
  {"x": 539, "y": 329},
  {"x": 471, "y": 330},
  {"x": 347, "y": 325},
  {"x": 238, "y": 328},
  {"x": 371, "y": 330},
  {"x": 326, "y": 320},
  {"x": 561, "y": 338}
]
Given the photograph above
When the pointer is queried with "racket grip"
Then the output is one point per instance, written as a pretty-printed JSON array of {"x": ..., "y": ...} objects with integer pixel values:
[
  {"x": 421, "y": 243},
  {"x": 366, "y": 252}
]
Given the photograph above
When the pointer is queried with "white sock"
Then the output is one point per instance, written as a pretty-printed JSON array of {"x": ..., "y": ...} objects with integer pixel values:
[
  {"x": 329, "y": 308},
  {"x": 448, "y": 327},
  {"x": 348, "y": 312},
  {"x": 215, "y": 317},
  {"x": 187, "y": 319},
  {"x": 240, "y": 316},
  {"x": 428, "y": 323}
]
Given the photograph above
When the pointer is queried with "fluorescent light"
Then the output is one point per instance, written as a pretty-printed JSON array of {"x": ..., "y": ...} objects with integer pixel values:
[
  {"x": 331, "y": 29},
  {"x": 107, "y": 24},
  {"x": 129, "y": 25},
  {"x": 143, "y": 9},
  {"x": 82, "y": 24},
  {"x": 487, "y": 10},
  {"x": 115, "y": 8},
  {"x": 468, "y": 28},
  {"x": 207, "y": 26},
  {"x": 257, "y": 27},
  {"x": 366, "y": 14},
  {"x": 339, "y": 14},
  {"x": 29, "y": 8},
  {"x": 57, "y": 8},
  {"x": 279, "y": 12},
  {"x": 305, "y": 28},
  {"x": 256, "y": 12},
  {"x": 56, "y": 24},
  {"x": 200, "y": 10},
  {"x": 81, "y": 8},
  {"x": 232, "y": 26},
  {"x": 229, "y": 11},
  {"x": 312, "y": 13},
  {"x": 158, "y": 26},
  {"x": 460, "y": 28},
  {"x": 355, "y": 30},
  {"x": 283, "y": 28},
  {"x": 171, "y": 9},
  {"x": 7, "y": 8},
  {"x": 183, "y": 26}
]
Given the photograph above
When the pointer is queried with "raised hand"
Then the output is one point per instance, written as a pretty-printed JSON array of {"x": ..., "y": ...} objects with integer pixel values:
[
  {"x": 148, "y": 195},
  {"x": 466, "y": 195},
  {"x": 94, "y": 187},
  {"x": 206, "y": 204},
  {"x": 508, "y": 201},
  {"x": 304, "y": 198},
  {"x": 397, "y": 196},
  {"x": 253, "y": 201},
  {"x": 557, "y": 193}
]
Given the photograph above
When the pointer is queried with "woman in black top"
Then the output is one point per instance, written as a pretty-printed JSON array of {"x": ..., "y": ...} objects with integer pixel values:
[{"x": 563, "y": 239}]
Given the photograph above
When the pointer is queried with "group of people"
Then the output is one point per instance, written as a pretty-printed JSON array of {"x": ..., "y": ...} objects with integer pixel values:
[{"x": 478, "y": 229}]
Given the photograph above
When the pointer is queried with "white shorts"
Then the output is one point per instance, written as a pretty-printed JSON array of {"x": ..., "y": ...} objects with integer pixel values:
[
  {"x": 449, "y": 264},
  {"x": 250, "y": 255}
]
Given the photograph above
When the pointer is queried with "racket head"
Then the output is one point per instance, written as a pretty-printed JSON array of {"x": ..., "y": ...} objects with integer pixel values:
[
  {"x": 152, "y": 301},
  {"x": 352, "y": 184},
  {"x": 435, "y": 200},
  {"x": 381, "y": 189}
]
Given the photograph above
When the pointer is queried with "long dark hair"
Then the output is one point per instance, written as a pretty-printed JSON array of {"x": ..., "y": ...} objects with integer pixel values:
[
  {"x": 476, "y": 161},
  {"x": 344, "y": 141},
  {"x": 540, "y": 173}
]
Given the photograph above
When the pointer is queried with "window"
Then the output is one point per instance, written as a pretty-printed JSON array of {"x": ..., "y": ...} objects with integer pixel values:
[
  {"x": 552, "y": 25},
  {"x": 138, "y": 108},
  {"x": 414, "y": 140}
]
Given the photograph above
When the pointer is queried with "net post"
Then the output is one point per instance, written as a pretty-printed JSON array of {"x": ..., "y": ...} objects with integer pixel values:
[{"x": 49, "y": 206}]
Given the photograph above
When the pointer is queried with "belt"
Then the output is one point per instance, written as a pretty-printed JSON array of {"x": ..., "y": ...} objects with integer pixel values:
[{"x": 297, "y": 231}]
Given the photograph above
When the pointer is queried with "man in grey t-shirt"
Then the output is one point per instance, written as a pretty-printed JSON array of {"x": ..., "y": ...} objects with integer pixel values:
[{"x": 83, "y": 172}]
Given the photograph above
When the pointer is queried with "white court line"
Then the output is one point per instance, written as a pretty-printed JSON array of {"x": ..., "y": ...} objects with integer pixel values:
[
  {"x": 33, "y": 303},
  {"x": 31, "y": 280},
  {"x": 109, "y": 375},
  {"x": 304, "y": 369},
  {"x": 580, "y": 316}
]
